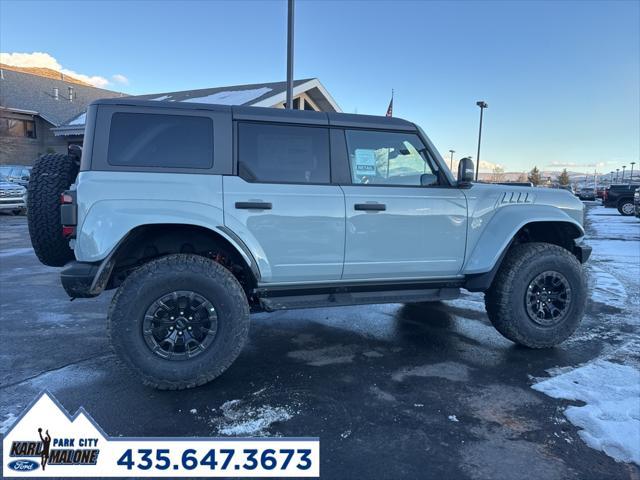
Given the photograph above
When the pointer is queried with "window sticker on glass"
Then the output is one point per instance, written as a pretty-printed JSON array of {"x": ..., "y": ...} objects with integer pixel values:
[{"x": 365, "y": 162}]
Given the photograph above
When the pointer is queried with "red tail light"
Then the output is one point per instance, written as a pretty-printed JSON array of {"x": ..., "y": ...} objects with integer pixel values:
[
  {"x": 68, "y": 214},
  {"x": 68, "y": 231}
]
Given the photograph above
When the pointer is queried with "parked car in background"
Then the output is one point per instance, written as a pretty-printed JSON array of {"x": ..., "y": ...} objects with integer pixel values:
[
  {"x": 620, "y": 196},
  {"x": 19, "y": 174},
  {"x": 600, "y": 192},
  {"x": 636, "y": 202},
  {"x": 13, "y": 197},
  {"x": 587, "y": 193}
]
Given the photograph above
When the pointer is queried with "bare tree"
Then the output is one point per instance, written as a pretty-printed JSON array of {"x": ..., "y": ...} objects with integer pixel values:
[{"x": 497, "y": 174}]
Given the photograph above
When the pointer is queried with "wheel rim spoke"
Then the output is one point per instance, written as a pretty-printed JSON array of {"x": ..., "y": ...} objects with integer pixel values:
[
  {"x": 548, "y": 298},
  {"x": 180, "y": 325}
]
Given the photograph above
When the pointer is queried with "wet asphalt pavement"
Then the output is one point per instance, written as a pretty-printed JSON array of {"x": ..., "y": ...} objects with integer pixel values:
[{"x": 392, "y": 391}]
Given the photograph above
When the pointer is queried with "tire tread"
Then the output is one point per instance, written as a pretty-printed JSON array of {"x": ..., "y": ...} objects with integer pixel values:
[{"x": 127, "y": 294}]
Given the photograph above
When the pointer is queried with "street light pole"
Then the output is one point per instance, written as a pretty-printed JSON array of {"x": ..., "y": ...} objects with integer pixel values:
[
  {"x": 617, "y": 170},
  {"x": 451, "y": 161},
  {"x": 290, "y": 15},
  {"x": 482, "y": 106},
  {"x": 631, "y": 174},
  {"x": 623, "y": 169}
]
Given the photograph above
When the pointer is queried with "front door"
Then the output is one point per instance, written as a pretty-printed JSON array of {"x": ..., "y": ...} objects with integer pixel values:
[
  {"x": 282, "y": 204},
  {"x": 396, "y": 227}
]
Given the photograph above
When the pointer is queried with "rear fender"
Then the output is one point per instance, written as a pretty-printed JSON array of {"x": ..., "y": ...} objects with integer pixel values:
[{"x": 99, "y": 234}]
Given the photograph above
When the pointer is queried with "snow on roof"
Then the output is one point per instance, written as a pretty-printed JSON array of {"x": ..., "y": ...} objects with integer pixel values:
[
  {"x": 79, "y": 120},
  {"x": 226, "y": 97}
]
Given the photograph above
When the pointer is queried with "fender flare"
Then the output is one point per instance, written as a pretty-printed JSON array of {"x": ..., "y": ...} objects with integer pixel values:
[{"x": 492, "y": 244}]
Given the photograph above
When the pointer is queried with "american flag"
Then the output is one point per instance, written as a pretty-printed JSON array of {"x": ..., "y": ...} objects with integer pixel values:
[{"x": 390, "y": 109}]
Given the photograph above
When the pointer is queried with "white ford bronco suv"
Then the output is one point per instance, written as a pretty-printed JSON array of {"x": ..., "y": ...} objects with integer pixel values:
[{"x": 200, "y": 214}]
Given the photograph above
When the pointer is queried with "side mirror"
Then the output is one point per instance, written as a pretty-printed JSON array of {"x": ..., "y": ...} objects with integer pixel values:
[
  {"x": 465, "y": 172},
  {"x": 428, "y": 179}
]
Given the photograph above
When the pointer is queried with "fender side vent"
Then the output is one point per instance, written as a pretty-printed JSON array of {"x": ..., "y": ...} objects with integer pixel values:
[{"x": 516, "y": 197}]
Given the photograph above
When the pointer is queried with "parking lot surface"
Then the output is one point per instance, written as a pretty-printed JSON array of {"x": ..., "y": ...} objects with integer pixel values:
[{"x": 393, "y": 391}]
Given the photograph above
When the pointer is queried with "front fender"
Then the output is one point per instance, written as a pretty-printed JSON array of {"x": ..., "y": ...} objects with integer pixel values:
[{"x": 496, "y": 235}]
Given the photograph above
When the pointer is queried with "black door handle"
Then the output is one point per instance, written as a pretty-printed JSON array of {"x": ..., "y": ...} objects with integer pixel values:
[
  {"x": 372, "y": 207},
  {"x": 254, "y": 205}
]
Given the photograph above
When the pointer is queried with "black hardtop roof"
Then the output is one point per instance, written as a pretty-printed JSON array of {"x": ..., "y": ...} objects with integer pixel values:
[{"x": 275, "y": 114}]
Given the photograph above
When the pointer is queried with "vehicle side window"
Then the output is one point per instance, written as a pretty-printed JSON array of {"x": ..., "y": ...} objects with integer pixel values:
[
  {"x": 387, "y": 158},
  {"x": 166, "y": 141},
  {"x": 283, "y": 153}
]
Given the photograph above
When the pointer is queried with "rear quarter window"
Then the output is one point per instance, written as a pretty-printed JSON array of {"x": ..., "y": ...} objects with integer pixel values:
[{"x": 164, "y": 141}]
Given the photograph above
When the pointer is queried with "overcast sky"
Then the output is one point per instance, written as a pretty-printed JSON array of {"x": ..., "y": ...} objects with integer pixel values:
[{"x": 562, "y": 79}]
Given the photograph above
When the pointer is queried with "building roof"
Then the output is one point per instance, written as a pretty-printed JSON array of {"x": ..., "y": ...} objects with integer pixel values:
[
  {"x": 34, "y": 93},
  {"x": 255, "y": 94},
  {"x": 45, "y": 72}
]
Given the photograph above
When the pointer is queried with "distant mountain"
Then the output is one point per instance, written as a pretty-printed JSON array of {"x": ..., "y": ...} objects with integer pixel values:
[{"x": 575, "y": 177}]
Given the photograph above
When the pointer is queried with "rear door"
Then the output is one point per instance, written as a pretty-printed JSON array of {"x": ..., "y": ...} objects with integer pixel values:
[
  {"x": 396, "y": 227},
  {"x": 282, "y": 204}
]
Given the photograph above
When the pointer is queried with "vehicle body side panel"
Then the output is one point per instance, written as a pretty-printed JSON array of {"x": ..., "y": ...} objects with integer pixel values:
[
  {"x": 110, "y": 204},
  {"x": 421, "y": 232},
  {"x": 300, "y": 239}
]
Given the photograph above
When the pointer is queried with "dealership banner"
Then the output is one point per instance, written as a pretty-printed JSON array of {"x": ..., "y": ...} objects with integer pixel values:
[{"x": 46, "y": 441}]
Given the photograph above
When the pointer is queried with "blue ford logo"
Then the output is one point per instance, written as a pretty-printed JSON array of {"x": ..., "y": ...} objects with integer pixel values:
[{"x": 23, "y": 465}]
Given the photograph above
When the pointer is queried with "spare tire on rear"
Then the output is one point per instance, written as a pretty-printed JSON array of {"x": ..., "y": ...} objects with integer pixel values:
[{"x": 51, "y": 175}]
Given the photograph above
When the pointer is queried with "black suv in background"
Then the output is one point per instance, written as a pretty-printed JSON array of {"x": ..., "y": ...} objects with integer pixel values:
[{"x": 620, "y": 197}]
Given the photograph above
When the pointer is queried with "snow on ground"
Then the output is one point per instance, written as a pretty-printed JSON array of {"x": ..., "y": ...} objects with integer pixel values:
[
  {"x": 609, "y": 386},
  {"x": 7, "y": 423},
  {"x": 610, "y": 418},
  {"x": 469, "y": 301},
  {"x": 607, "y": 289},
  {"x": 241, "y": 420},
  {"x": 10, "y": 252}
]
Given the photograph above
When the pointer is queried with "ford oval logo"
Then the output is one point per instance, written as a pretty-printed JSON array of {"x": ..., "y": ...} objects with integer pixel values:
[{"x": 23, "y": 465}]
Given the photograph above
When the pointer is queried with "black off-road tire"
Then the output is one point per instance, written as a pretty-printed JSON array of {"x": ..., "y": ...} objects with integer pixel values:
[
  {"x": 505, "y": 299},
  {"x": 163, "y": 276},
  {"x": 51, "y": 175},
  {"x": 626, "y": 207}
]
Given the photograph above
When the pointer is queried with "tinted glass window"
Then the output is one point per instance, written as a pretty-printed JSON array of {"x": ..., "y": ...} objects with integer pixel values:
[
  {"x": 282, "y": 153},
  {"x": 17, "y": 128},
  {"x": 146, "y": 140},
  {"x": 387, "y": 158}
]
